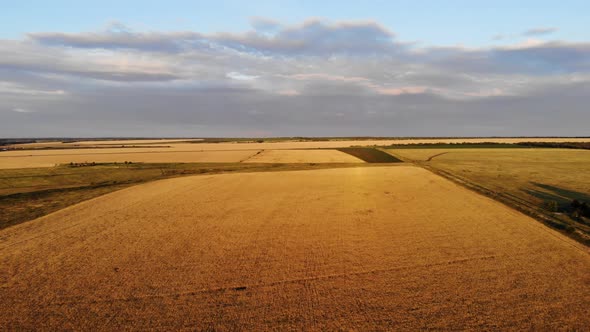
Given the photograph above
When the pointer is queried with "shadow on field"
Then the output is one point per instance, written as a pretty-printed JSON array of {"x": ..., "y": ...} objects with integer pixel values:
[
  {"x": 370, "y": 155},
  {"x": 563, "y": 197},
  {"x": 580, "y": 196}
]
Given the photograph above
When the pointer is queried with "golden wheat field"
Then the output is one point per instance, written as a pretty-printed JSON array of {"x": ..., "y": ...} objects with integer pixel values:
[
  {"x": 50, "y": 158},
  {"x": 523, "y": 172},
  {"x": 374, "y": 248}
]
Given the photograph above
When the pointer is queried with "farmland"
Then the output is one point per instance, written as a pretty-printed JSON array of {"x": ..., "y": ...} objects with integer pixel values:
[
  {"x": 292, "y": 235},
  {"x": 50, "y": 154},
  {"x": 526, "y": 176},
  {"x": 351, "y": 248},
  {"x": 50, "y": 158},
  {"x": 29, "y": 193},
  {"x": 302, "y": 156}
]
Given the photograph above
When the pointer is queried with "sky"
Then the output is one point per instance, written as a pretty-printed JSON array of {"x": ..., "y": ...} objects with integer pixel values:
[{"x": 294, "y": 68}]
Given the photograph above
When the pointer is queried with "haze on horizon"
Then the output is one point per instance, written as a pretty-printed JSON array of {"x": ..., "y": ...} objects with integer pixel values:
[{"x": 294, "y": 68}]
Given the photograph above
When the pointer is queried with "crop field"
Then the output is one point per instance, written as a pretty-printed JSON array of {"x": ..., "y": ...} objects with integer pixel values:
[
  {"x": 530, "y": 175},
  {"x": 51, "y": 158},
  {"x": 49, "y": 154},
  {"x": 361, "y": 248},
  {"x": 302, "y": 156},
  {"x": 29, "y": 193},
  {"x": 555, "y": 172}
]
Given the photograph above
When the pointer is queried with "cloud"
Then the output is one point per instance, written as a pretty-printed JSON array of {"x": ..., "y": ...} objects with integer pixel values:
[
  {"x": 21, "y": 110},
  {"x": 289, "y": 92},
  {"x": 313, "y": 37},
  {"x": 531, "y": 57},
  {"x": 264, "y": 24},
  {"x": 318, "y": 77},
  {"x": 540, "y": 31},
  {"x": 241, "y": 77},
  {"x": 221, "y": 112},
  {"x": 100, "y": 65},
  {"x": 317, "y": 38},
  {"x": 118, "y": 36},
  {"x": 17, "y": 89}
]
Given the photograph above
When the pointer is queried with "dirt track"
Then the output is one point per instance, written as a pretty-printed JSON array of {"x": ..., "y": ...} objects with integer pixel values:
[{"x": 356, "y": 248}]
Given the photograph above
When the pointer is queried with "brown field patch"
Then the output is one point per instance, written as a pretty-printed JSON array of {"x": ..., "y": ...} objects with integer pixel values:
[{"x": 353, "y": 248}]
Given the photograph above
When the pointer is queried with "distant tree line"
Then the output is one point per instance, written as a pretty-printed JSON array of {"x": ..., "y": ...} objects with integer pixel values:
[
  {"x": 85, "y": 164},
  {"x": 11, "y": 141},
  {"x": 72, "y": 164},
  {"x": 564, "y": 145}
]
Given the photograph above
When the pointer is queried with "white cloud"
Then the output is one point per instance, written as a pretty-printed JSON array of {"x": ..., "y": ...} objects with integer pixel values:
[
  {"x": 241, "y": 77},
  {"x": 540, "y": 31},
  {"x": 18, "y": 89},
  {"x": 21, "y": 110},
  {"x": 357, "y": 74}
]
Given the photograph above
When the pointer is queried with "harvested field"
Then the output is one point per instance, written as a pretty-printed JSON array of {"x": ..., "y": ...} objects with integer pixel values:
[
  {"x": 51, "y": 158},
  {"x": 302, "y": 156},
  {"x": 352, "y": 248}
]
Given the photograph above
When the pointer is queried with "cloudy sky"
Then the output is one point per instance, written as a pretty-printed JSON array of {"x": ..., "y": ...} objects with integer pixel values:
[{"x": 294, "y": 68}]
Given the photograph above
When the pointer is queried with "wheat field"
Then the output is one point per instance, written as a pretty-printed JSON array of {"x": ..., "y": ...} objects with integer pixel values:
[
  {"x": 50, "y": 158},
  {"x": 341, "y": 249}
]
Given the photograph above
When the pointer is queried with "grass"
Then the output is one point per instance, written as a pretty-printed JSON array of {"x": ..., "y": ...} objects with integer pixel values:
[
  {"x": 26, "y": 194},
  {"x": 370, "y": 155},
  {"x": 527, "y": 179}
]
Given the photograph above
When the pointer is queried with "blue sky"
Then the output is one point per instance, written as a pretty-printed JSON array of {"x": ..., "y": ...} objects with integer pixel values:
[
  {"x": 471, "y": 23},
  {"x": 294, "y": 68}
]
